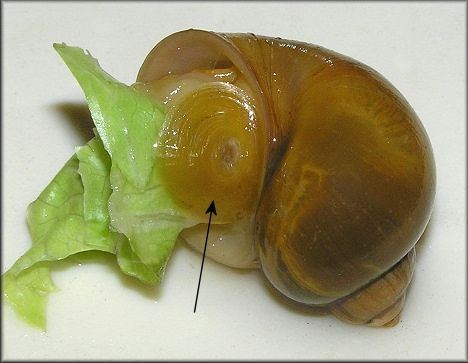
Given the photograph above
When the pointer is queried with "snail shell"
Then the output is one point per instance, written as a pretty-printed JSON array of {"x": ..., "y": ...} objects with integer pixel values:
[{"x": 322, "y": 173}]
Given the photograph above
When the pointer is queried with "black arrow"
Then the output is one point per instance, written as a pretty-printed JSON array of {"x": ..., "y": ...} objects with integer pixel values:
[{"x": 211, "y": 209}]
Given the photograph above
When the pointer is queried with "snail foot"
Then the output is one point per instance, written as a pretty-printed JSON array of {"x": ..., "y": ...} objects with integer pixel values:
[{"x": 380, "y": 303}]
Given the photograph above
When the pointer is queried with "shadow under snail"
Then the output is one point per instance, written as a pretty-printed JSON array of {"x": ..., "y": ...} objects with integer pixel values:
[{"x": 322, "y": 173}]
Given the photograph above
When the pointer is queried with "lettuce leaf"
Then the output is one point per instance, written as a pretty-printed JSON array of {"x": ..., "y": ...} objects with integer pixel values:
[
  {"x": 59, "y": 229},
  {"x": 129, "y": 123},
  {"x": 108, "y": 197}
]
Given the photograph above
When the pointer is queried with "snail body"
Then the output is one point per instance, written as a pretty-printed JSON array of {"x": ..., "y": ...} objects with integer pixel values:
[{"x": 322, "y": 173}]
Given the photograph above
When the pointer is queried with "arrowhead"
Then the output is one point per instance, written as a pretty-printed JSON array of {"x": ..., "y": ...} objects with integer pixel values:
[{"x": 211, "y": 208}]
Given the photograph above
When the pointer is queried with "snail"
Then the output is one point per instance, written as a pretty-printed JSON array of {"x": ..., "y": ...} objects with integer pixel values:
[{"x": 322, "y": 173}]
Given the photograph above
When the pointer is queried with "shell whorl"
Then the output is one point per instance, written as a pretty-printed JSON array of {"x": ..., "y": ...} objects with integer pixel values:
[{"x": 353, "y": 186}]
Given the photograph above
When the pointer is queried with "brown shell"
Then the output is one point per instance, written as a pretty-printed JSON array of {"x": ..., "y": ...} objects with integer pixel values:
[
  {"x": 350, "y": 177},
  {"x": 380, "y": 302}
]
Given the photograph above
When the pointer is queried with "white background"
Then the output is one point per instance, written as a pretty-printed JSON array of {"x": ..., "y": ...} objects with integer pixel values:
[{"x": 101, "y": 314}]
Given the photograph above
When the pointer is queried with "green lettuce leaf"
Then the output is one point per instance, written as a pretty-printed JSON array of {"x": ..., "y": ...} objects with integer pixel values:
[
  {"x": 127, "y": 121},
  {"x": 27, "y": 292},
  {"x": 108, "y": 198},
  {"x": 130, "y": 123},
  {"x": 59, "y": 229},
  {"x": 149, "y": 219}
]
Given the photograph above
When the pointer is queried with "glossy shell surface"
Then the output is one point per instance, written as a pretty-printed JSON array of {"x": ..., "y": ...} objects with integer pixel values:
[{"x": 348, "y": 174}]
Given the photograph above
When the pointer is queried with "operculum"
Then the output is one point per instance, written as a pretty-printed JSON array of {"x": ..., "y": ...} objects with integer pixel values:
[{"x": 212, "y": 147}]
